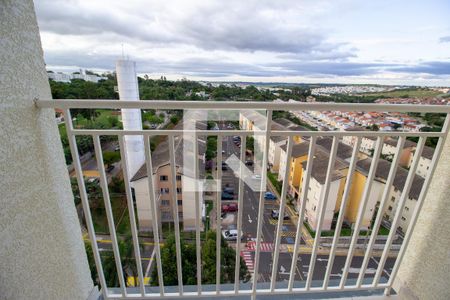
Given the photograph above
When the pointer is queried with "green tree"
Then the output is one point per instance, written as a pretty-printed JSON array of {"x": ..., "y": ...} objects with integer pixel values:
[
  {"x": 91, "y": 261},
  {"x": 250, "y": 143},
  {"x": 228, "y": 262},
  {"x": 188, "y": 263},
  {"x": 110, "y": 157},
  {"x": 174, "y": 119}
]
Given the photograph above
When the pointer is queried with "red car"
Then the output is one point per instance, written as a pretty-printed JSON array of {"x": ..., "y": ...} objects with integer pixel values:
[{"x": 229, "y": 207}]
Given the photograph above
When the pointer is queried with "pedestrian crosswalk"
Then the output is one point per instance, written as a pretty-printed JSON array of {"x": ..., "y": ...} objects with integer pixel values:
[
  {"x": 275, "y": 222},
  {"x": 292, "y": 234},
  {"x": 265, "y": 247},
  {"x": 248, "y": 259}
]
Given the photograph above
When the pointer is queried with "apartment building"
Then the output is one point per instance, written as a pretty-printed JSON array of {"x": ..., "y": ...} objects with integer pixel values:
[
  {"x": 395, "y": 191},
  {"x": 316, "y": 189},
  {"x": 424, "y": 161},
  {"x": 411, "y": 200},
  {"x": 162, "y": 182},
  {"x": 406, "y": 154},
  {"x": 298, "y": 156},
  {"x": 275, "y": 144}
]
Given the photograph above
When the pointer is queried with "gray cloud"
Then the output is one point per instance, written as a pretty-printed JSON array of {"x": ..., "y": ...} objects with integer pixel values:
[
  {"x": 197, "y": 66},
  {"x": 255, "y": 26},
  {"x": 444, "y": 39}
]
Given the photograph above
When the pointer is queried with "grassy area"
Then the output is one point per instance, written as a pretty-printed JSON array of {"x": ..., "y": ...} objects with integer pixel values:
[
  {"x": 209, "y": 207},
  {"x": 405, "y": 93},
  {"x": 120, "y": 215},
  {"x": 344, "y": 231},
  {"x": 273, "y": 179}
]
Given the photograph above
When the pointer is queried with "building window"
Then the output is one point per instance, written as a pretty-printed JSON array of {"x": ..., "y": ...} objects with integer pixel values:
[
  {"x": 164, "y": 190},
  {"x": 406, "y": 208},
  {"x": 163, "y": 178},
  {"x": 165, "y": 202},
  {"x": 178, "y": 190},
  {"x": 403, "y": 218},
  {"x": 180, "y": 215},
  {"x": 314, "y": 208},
  {"x": 390, "y": 208},
  {"x": 166, "y": 215},
  {"x": 180, "y": 202},
  {"x": 393, "y": 199},
  {"x": 178, "y": 177}
]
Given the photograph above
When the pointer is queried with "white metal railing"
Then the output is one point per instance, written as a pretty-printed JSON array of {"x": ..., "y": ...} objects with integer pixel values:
[{"x": 144, "y": 292}]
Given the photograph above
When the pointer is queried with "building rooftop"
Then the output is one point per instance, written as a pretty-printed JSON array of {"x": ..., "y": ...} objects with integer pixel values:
[
  {"x": 320, "y": 166},
  {"x": 427, "y": 152},
  {"x": 393, "y": 142},
  {"x": 161, "y": 156},
  {"x": 298, "y": 150},
  {"x": 382, "y": 174},
  {"x": 343, "y": 151}
]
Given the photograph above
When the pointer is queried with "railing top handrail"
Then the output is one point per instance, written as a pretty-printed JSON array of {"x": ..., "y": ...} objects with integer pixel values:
[{"x": 238, "y": 105}]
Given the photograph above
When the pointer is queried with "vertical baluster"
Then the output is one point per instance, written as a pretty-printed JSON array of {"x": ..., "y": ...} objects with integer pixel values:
[
  {"x": 85, "y": 200},
  {"x": 281, "y": 214},
  {"x": 134, "y": 232},
  {"x": 382, "y": 207},
  {"x": 239, "y": 214},
  {"x": 154, "y": 207},
  {"x": 362, "y": 209},
  {"x": 261, "y": 202},
  {"x": 173, "y": 174},
  {"x": 301, "y": 216},
  {"x": 109, "y": 214},
  {"x": 345, "y": 197},
  {"x": 218, "y": 211},
  {"x": 322, "y": 209}
]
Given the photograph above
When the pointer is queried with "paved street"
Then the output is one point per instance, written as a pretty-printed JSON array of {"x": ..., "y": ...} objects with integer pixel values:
[{"x": 251, "y": 203}]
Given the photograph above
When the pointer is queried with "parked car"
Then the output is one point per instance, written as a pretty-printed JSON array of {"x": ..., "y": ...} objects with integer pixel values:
[
  {"x": 269, "y": 196},
  {"x": 110, "y": 168},
  {"x": 93, "y": 180},
  {"x": 117, "y": 148},
  {"x": 256, "y": 177},
  {"x": 231, "y": 235},
  {"x": 249, "y": 163},
  {"x": 229, "y": 190},
  {"x": 226, "y": 196},
  {"x": 232, "y": 207},
  {"x": 276, "y": 214}
]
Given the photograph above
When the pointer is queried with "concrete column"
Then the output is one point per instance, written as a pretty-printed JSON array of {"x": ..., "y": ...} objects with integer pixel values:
[
  {"x": 425, "y": 269},
  {"x": 42, "y": 254}
]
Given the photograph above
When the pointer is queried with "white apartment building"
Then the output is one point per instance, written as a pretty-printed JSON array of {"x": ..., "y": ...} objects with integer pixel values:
[
  {"x": 390, "y": 148},
  {"x": 424, "y": 162},
  {"x": 395, "y": 195},
  {"x": 162, "y": 180},
  {"x": 316, "y": 189},
  {"x": 275, "y": 152},
  {"x": 64, "y": 77}
]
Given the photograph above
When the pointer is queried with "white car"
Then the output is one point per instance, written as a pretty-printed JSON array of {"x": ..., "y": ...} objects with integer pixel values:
[
  {"x": 230, "y": 235},
  {"x": 256, "y": 177}
]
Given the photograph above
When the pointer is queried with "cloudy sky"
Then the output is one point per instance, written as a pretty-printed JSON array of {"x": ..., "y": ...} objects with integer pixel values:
[{"x": 384, "y": 41}]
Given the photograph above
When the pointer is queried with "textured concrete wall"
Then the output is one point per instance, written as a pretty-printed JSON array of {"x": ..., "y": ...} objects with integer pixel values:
[
  {"x": 425, "y": 270},
  {"x": 41, "y": 252}
]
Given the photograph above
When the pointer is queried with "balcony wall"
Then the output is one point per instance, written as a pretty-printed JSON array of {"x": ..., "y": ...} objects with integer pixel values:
[{"x": 41, "y": 251}]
